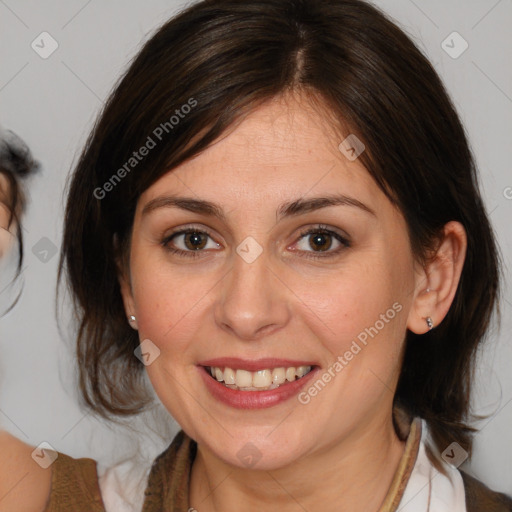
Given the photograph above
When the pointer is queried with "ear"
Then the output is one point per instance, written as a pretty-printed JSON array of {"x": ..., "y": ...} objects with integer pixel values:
[
  {"x": 123, "y": 276},
  {"x": 437, "y": 281}
]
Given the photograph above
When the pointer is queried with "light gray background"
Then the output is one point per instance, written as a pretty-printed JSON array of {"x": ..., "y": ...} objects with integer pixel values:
[{"x": 52, "y": 103}]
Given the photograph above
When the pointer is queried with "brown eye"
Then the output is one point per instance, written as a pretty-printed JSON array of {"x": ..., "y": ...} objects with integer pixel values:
[
  {"x": 195, "y": 240},
  {"x": 317, "y": 242},
  {"x": 189, "y": 242},
  {"x": 321, "y": 241}
]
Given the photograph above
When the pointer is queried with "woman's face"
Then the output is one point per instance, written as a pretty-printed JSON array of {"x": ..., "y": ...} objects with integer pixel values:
[
  {"x": 6, "y": 236},
  {"x": 259, "y": 294}
]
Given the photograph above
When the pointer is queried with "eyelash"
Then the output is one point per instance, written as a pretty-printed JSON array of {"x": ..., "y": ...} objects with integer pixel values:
[{"x": 319, "y": 229}]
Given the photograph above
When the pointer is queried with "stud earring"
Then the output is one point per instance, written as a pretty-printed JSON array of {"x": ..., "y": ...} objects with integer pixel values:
[
  {"x": 132, "y": 319},
  {"x": 430, "y": 324}
]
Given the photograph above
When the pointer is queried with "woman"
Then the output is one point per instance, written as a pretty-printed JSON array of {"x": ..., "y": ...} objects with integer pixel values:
[
  {"x": 276, "y": 220},
  {"x": 16, "y": 165}
]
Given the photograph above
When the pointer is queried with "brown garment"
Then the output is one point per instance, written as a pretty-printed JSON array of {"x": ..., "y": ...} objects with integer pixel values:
[
  {"x": 480, "y": 498},
  {"x": 75, "y": 483},
  {"x": 75, "y": 486}
]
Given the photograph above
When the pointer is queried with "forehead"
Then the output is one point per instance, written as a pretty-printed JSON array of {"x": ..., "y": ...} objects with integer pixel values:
[{"x": 281, "y": 150}]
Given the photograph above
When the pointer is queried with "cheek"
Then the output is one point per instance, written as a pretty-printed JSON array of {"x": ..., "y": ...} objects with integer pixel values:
[
  {"x": 174, "y": 305},
  {"x": 165, "y": 305},
  {"x": 6, "y": 239},
  {"x": 360, "y": 302},
  {"x": 168, "y": 304}
]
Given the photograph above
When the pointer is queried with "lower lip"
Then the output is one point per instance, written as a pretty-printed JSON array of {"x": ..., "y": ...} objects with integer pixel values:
[{"x": 254, "y": 399}]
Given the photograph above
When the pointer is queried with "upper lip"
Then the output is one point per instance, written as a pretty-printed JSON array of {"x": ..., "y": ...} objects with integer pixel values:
[{"x": 253, "y": 365}]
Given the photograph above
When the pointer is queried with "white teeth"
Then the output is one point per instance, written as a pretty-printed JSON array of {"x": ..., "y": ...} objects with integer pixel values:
[
  {"x": 243, "y": 379},
  {"x": 290, "y": 374},
  {"x": 229, "y": 376},
  {"x": 260, "y": 380},
  {"x": 278, "y": 375},
  {"x": 301, "y": 371}
]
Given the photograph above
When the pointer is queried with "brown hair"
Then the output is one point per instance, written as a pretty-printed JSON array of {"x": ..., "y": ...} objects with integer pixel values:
[{"x": 229, "y": 57}]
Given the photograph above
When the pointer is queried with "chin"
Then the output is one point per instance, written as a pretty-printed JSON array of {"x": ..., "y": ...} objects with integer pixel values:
[{"x": 255, "y": 448}]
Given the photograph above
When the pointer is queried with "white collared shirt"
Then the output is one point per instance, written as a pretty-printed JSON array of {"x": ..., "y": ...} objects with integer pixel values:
[
  {"x": 122, "y": 486},
  {"x": 428, "y": 489}
]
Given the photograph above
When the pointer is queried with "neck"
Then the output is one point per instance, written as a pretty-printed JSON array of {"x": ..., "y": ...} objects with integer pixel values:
[{"x": 352, "y": 474}]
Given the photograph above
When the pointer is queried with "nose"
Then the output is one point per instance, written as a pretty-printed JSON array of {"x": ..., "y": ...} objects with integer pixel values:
[{"x": 253, "y": 300}]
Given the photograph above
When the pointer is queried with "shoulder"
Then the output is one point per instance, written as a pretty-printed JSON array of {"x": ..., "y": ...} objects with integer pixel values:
[
  {"x": 24, "y": 485},
  {"x": 43, "y": 480},
  {"x": 74, "y": 485},
  {"x": 479, "y": 498}
]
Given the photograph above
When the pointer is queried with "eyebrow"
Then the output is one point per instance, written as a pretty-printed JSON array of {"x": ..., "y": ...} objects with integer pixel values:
[{"x": 289, "y": 209}]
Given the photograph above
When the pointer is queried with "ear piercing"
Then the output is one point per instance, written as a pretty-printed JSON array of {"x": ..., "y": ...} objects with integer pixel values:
[
  {"x": 133, "y": 321},
  {"x": 430, "y": 323}
]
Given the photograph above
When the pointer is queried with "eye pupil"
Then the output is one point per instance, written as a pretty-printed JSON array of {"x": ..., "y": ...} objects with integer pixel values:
[
  {"x": 320, "y": 239},
  {"x": 195, "y": 240}
]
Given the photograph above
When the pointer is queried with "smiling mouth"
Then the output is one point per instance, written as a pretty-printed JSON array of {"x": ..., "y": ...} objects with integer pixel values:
[{"x": 261, "y": 380}]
